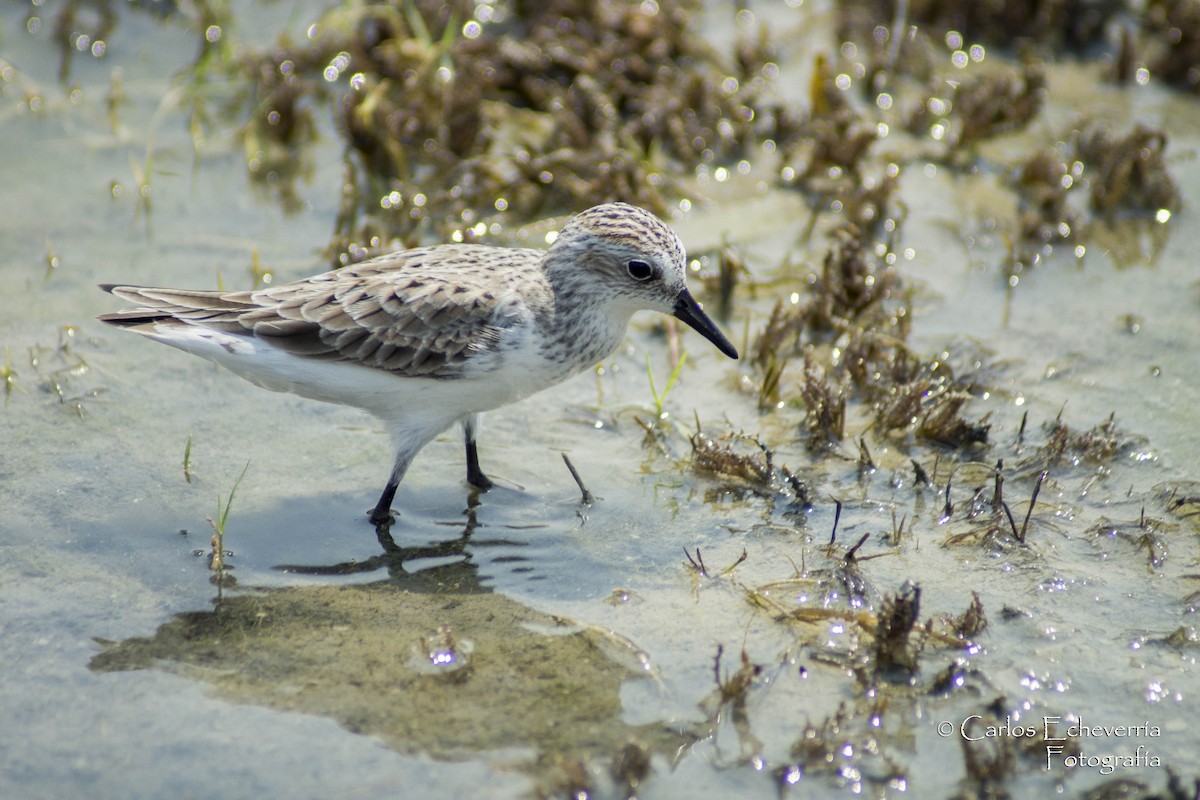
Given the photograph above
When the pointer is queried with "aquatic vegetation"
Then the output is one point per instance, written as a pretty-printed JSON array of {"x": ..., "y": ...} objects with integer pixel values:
[
  {"x": 660, "y": 399},
  {"x": 216, "y": 558},
  {"x": 516, "y": 113},
  {"x": 1088, "y": 184},
  {"x": 58, "y": 370},
  {"x": 1097, "y": 445},
  {"x": 9, "y": 375},
  {"x": 1127, "y": 173},
  {"x": 698, "y": 569},
  {"x": 740, "y": 462},
  {"x": 985, "y": 106},
  {"x": 1146, "y": 534},
  {"x": 187, "y": 460},
  {"x": 1169, "y": 42}
]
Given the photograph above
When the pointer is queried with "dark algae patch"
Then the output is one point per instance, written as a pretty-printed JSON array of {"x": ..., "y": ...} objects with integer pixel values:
[
  {"x": 458, "y": 116},
  {"x": 446, "y": 670}
]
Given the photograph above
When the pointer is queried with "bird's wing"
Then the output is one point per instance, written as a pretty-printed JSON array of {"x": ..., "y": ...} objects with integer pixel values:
[{"x": 422, "y": 312}]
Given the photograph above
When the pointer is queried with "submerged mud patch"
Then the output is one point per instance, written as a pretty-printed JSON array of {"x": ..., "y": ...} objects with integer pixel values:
[{"x": 445, "y": 670}]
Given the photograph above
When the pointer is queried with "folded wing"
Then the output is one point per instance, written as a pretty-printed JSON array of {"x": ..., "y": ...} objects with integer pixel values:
[{"x": 423, "y": 312}]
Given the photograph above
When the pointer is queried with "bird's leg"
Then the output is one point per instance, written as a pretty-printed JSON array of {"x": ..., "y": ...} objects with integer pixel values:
[
  {"x": 475, "y": 475},
  {"x": 381, "y": 515}
]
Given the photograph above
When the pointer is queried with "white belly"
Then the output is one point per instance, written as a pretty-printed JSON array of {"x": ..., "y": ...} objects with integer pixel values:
[{"x": 412, "y": 403}]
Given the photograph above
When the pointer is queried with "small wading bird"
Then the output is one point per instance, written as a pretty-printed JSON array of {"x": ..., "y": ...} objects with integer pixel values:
[{"x": 427, "y": 337}]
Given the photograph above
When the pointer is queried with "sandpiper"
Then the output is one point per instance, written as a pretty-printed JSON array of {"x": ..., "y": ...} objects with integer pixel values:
[{"x": 427, "y": 337}]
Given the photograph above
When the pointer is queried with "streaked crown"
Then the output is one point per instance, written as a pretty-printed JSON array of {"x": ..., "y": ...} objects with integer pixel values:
[{"x": 639, "y": 261}]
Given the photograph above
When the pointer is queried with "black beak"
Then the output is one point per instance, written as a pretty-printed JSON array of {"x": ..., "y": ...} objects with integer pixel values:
[{"x": 688, "y": 310}]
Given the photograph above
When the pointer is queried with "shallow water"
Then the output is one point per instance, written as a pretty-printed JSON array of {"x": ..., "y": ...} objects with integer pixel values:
[{"x": 284, "y": 689}]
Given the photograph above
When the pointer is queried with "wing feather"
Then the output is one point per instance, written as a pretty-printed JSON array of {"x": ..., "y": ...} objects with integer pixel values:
[{"x": 425, "y": 312}]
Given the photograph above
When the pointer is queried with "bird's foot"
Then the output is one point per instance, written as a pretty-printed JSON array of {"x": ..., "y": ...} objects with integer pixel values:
[
  {"x": 475, "y": 475},
  {"x": 381, "y": 517},
  {"x": 480, "y": 481}
]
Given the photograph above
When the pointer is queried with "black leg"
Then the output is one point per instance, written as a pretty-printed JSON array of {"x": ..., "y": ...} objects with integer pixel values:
[
  {"x": 475, "y": 475},
  {"x": 382, "y": 514}
]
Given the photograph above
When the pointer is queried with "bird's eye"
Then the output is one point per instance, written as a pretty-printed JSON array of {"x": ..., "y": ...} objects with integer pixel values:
[{"x": 640, "y": 270}]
